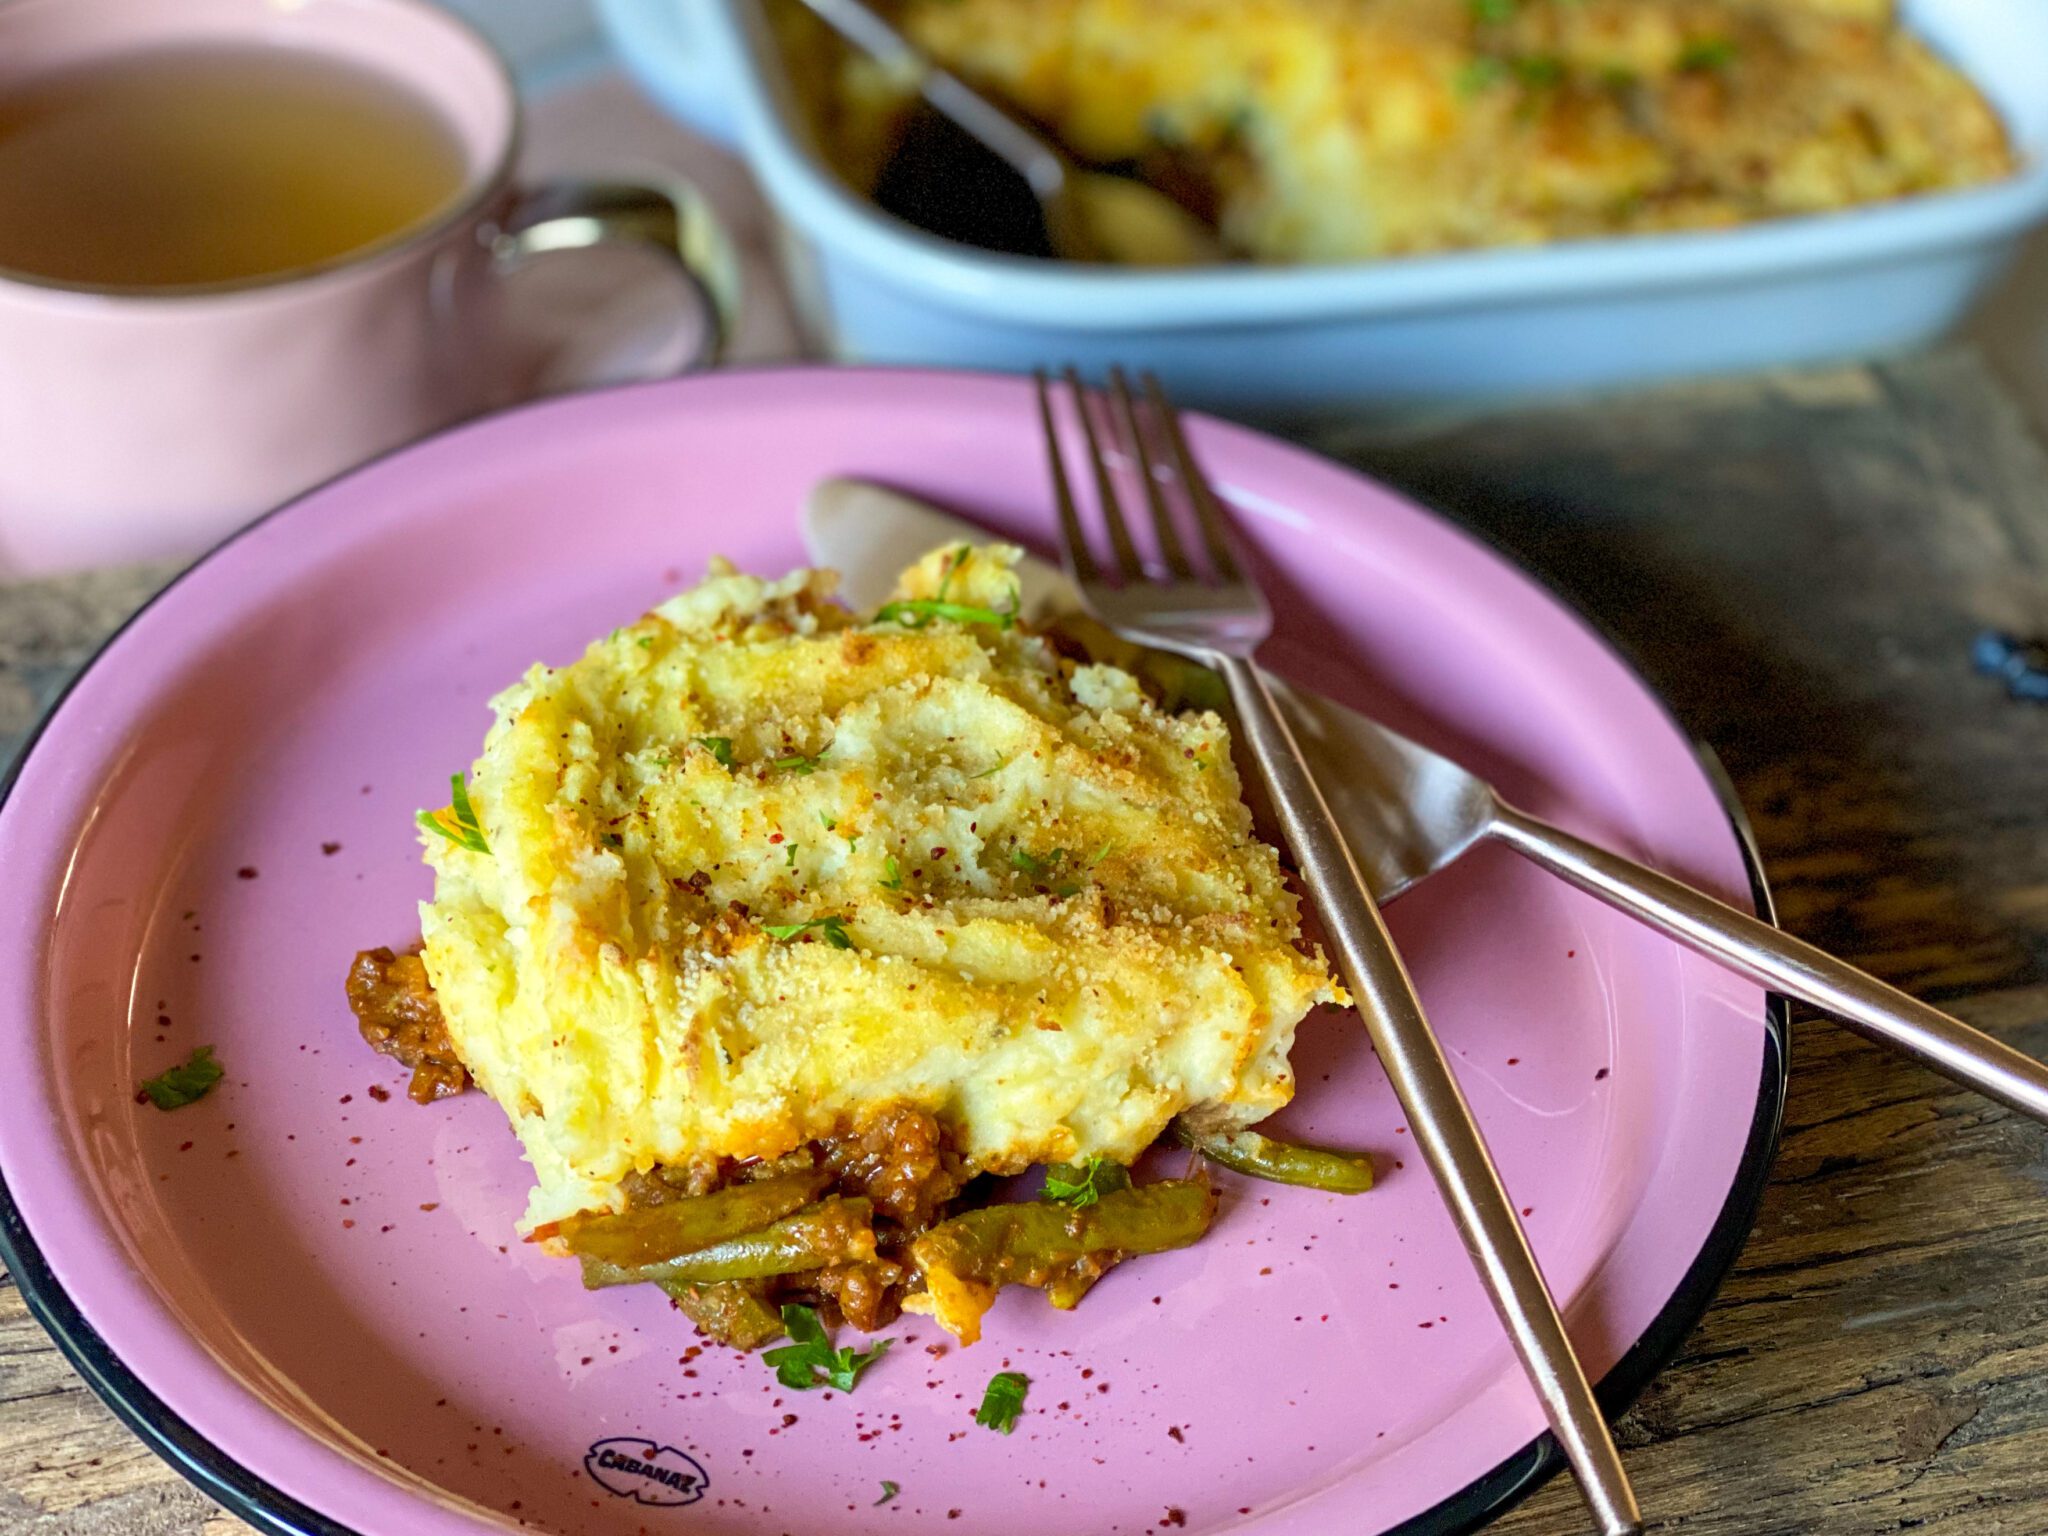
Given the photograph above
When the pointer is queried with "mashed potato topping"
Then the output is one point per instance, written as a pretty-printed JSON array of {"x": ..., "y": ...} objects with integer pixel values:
[{"x": 757, "y": 866}]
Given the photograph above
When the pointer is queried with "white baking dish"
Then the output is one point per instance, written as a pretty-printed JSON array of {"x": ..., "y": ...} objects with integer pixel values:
[{"x": 1285, "y": 341}]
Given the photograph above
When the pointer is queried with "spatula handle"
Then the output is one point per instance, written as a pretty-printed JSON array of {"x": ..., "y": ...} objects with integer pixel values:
[{"x": 1775, "y": 959}]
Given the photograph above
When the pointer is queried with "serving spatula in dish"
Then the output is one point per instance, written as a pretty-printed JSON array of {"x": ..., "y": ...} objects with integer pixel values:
[
  {"x": 1407, "y": 812},
  {"x": 1087, "y": 215}
]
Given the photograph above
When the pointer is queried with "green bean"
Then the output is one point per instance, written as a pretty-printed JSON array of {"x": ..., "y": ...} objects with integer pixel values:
[
  {"x": 733, "y": 1312},
  {"x": 1066, "y": 1291},
  {"x": 833, "y": 1231},
  {"x": 1283, "y": 1162},
  {"x": 658, "y": 1232},
  {"x": 1059, "y": 1248}
]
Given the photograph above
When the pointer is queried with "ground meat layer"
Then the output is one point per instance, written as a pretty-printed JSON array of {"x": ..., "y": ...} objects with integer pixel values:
[{"x": 395, "y": 1008}]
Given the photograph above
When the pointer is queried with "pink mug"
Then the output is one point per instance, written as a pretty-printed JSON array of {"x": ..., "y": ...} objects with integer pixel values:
[{"x": 140, "y": 423}]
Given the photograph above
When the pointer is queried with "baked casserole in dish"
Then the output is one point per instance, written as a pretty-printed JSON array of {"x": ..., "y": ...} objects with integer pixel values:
[
  {"x": 1904, "y": 170},
  {"x": 1343, "y": 130}
]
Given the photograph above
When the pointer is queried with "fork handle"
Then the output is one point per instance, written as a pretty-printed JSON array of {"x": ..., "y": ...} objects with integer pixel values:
[
  {"x": 1439, "y": 1118},
  {"x": 1775, "y": 959}
]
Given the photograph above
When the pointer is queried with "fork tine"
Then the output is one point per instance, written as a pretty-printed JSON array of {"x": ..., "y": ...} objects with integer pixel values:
[
  {"x": 1079, "y": 561},
  {"x": 1162, "y": 515},
  {"x": 1128, "y": 565},
  {"x": 1215, "y": 527}
]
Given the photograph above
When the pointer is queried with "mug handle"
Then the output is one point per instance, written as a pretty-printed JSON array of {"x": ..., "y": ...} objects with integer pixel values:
[{"x": 670, "y": 216}]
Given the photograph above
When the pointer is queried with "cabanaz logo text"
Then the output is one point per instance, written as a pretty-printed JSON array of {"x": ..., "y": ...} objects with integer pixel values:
[{"x": 645, "y": 1472}]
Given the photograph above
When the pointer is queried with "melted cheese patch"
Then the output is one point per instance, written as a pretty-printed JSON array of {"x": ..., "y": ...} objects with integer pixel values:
[{"x": 757, "y": 865}]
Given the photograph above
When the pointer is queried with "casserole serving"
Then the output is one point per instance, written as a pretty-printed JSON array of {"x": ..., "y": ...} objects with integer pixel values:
[
  {"x": 1287, "y": 341},
  {"x": 780, "y": 934}
]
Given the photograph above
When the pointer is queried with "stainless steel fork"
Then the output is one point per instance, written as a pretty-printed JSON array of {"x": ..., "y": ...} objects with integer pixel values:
[{"x": 1206, "y": 608}]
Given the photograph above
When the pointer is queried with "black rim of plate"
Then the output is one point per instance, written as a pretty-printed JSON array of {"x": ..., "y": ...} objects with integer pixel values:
[{"x": 1486, "y": 1498}]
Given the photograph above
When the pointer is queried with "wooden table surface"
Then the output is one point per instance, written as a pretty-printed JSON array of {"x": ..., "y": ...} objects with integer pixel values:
[{"x": 1800, "y": 564}]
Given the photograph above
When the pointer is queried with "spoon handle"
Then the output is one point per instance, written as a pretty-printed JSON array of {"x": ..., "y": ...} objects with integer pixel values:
[{"x": 1774, "y": 958}]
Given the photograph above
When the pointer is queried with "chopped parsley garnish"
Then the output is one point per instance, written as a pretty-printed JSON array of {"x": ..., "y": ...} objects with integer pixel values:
[
  {"x": 1707, "y": 53},
  {"x": 789, "y": 854},
  {"x": 1082, "y": 1184},
  {"x": 953, "y": 563},
  {"x": 458, "y": 824},
  {"x": 797, "y": 762},
  {"x": 828, "y": 822},
  {"x": 1493, "y": 10},
  {"x": 993, "y": 768},
  {"x": 892, "y": 874},
  {"x": 720, "y": 748},
  {"x": 1540, "y": 70},
  {"x": 889, "y": 1491},
  {"x": 809, "y": 1360},
  {"x": 1034, "y": 866},
  {"x": 1003, "y": 1401},
  {"x": 831, "y": 929},
  {"x": 613, "y": 840},
  {"x": 645, "y": 642},
  {"x": 1480, "y": 74},
  {"x": 187, "y": 1083},
  {"x": 1100, "y": 854}
]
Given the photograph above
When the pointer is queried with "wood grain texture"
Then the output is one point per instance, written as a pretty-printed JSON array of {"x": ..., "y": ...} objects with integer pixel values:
[{"x": 1799, "y": 564}]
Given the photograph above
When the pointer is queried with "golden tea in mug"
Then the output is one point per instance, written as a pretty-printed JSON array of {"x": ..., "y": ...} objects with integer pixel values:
[{"x": 182, "y": 166}]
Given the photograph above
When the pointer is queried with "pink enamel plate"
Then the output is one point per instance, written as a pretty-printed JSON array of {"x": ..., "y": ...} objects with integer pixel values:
[{"x": 307, "y": 1292}]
